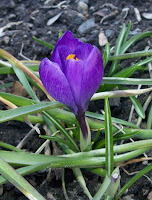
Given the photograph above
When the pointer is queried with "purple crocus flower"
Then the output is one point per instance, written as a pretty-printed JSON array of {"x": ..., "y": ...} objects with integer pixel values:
[{"x": 73, "y": 74}]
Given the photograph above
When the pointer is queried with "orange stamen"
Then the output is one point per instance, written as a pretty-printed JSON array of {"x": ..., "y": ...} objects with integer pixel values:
[{"x": 71, "y": 56}]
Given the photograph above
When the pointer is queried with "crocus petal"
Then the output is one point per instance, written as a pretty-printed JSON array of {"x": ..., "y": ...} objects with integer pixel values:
[
  {"x": 83, "y": 51},
  {"x": 56, "y": 83},
  {"x": 92, "y": 76},
  {"x": 73, "y": 73},
  {"x": 67, "y": 40},
  {"x": 59, "y": 56}
]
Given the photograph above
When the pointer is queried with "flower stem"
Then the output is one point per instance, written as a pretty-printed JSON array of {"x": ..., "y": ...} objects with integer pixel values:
[{"x": 83, "y": 125}]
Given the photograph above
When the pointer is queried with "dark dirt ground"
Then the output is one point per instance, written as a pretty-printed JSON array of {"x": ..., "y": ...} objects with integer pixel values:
[{"x": 29, "y": 18}]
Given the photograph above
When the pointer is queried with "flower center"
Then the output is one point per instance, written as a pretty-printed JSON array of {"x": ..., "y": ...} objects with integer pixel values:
[{"x": 71, "y": 56}]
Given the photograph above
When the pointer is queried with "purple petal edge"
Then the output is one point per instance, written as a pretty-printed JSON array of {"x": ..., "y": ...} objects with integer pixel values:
[{"x": 56, "y": 83}]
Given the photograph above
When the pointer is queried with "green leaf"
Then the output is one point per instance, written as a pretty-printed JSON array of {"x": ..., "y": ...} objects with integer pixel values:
[
  {"x": 138, "y": 107},
  {"x": 78, "y": 174},
  {"x": 114, "y": 66},
  {"x": 9, "y": 70},
  {"x": 119, "y": 93},
  {"x": 21, "y": 76},
  {"x": 106, "y": 55},
  {"x": 134, "y": 39},
  {"x": 18, "y": 181},
  {"x": 131, "y": 55},
  {"x": 26, "y": 110},
  {"x": 63, "y": 130},
  {"x": 127, "y": 32},
  {"x": 114, "y": 185},
  {"x": 17, "y": 100},
  {"x": 114, "y": 120},
  {"x": 43, "y": 43},
  {"x": 10, "y": 147},
  {"x": 59, "y": 140},
  {"x": 102, "y": 189},
  {"x": 118, "y": 137},
  {"x": 149, "y": 120},
  {"x": 109, "y": 164},
  {"x": 133, "y": 180},
  {"x": 126, "y": 81}
]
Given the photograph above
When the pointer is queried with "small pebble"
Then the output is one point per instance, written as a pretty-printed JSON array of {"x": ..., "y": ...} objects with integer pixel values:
[
  {"x": 108, "y": 32},
  {"x": 82, "y": 8},
  {"x": 12, "y": 16},
  {"x": 6, "y": 40},
  {"x": 102, "y": 39},
  {"x": 84, "y": 1},
  {"x": 87, "y": 26}
]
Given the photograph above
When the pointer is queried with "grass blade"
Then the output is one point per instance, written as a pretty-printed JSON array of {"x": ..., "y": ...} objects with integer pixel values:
[
  {"x": 63, "y": 131},
  {"x": 127, "y": 32},
  {"x": 149, "y": 120},
  {"x": 43, "y": 43},
  {"x": 26, "y": 110},
  {"x": 106, "y": 55},
  {"x": 126, "y": 81},
  {"x": 78, "y": 174},
  {"x": 131, "y": 55},
  {"x": 109, "y": 164},
  {"x": 134, "y": 39},
  {"x": 12, "y": 176},
  {"x": 59, "y": 140},
  {"x": 17, "y": 100},
  {"x": 138, "y": 107},
  {"x": 119, "y": 93},
  {"x": 21, "y": 76},
  {"x": 114, "y": 66},
  {"x": 103, "y": 188},
  {"x": 133, "y": 180},
  {"x": 114, "y": 120}
]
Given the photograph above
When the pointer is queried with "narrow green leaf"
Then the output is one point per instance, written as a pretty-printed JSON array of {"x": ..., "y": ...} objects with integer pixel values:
[
  {"x": 21, "y": 76},
  {"x": 6, "y": 70},
  {"x": 127, "y": 32},
  {"x": 134, "y": 39},
  {"x": 59, "y": 140},
  {"x": 9, "y": 70},
  {"x": 102, "y": 189},
  {"x": 138, "y": 107},
  {"x": 18, "y": 181},
  {"x": 133, "y": 180},
  {"x": 114, "y": 185},
  {"x": 78, "y": 159},
  {"x": 60, "y": 33},
  {"x": 109, "y": 165},
  {"x": 114, "y": 120},
  {"x": 63, "y": 130},
  {"x": 149, "y": 120},
  {"x": 119, "y": 93},
  {"x": 27, "y": 110},
  {"x": 126, "y": 81},
  {"x": 128, "y": 71},
  {"x": 10, "y": 147},
  {"x": 106, "y": 55},
  {"x": 114, "y": 66},
  {"x": 131, "y": 55},
  {"x": 119, "y": 137},
  {"x": 43, "y": 43},
  {"x": 27, "y": 170},
  {"x": 78, "y": 174},
  {"x": 99, "y": 171},
  {"x": 17, "y": 100}
]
